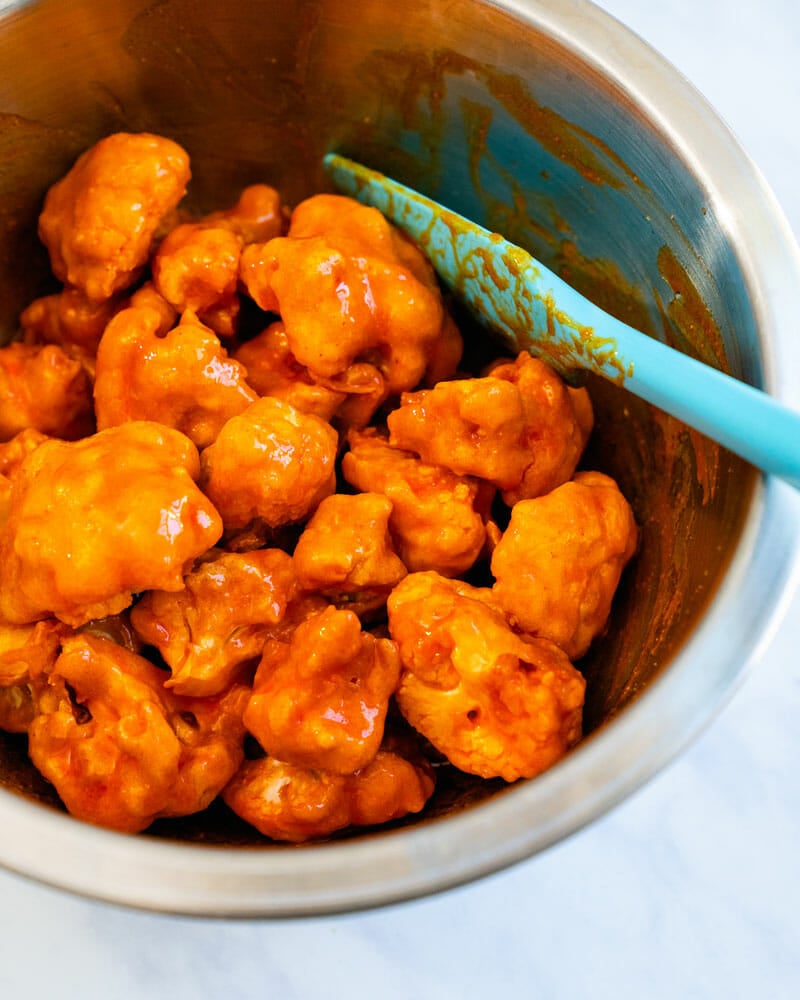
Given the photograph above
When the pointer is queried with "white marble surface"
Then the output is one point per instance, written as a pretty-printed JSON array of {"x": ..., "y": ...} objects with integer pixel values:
[{"x": 690, "y": 889}]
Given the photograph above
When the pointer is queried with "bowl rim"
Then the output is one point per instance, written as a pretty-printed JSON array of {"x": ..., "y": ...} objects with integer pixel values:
[{"x": 393, "y": 865}]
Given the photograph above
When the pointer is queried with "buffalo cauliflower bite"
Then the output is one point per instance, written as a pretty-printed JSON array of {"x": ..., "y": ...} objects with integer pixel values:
[
  {"x": 119, "y": 749},
  {"x": 70, "y": 320},
  {"x": 348, "y": 286},
  {"x": 272, "y": 370},
  {"x": 41, "y": 387},
  {"x": 196, "y": 267},
  {"x": 520, "y": 427},
  {"x": 211, "y": 734},
  {"x": 437, "y": 517},
  {"x": 219, "y": 622},
  {"x": 296, "y": 804},
  {"x": 346, "y": 553},
  {"x": 494, "y": 704},
  {"x": 93, "y": 522},
  {"x": 102, "y": 737},
  {"x": 349, "y": 399},
  {"x": 182, "y": 379},
  {"x": 256, "y": 217},
  {"x": 560, "y": 560},
  {"x": 100, "y": 221},
  {"x": 25, "y": 651},
  {"x": 271, "y": 464},
  {"x": 320, "y": 699}
]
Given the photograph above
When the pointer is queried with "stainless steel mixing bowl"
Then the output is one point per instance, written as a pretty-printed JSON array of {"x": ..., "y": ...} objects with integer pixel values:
[{"x": 544, "y": 119}]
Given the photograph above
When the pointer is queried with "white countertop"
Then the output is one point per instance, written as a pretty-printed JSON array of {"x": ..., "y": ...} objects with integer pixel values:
[{"x": 690, "y": 889}]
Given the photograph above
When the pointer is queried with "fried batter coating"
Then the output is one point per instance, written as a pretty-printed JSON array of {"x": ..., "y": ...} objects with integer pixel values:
[
  {"x": 272, "y": 370},
  {"x": 351, "y": 397},
  {"x": 346, "y": 552},
  {"x": 102, "y": 737},
  {"x": 182, "y": 379},
  {"x": 14, "y": 451},
  {"x": 119, "y": 749},
  {"x": 99, "y": 222},
  {"x": 147, "y": 297},
  {"x": 436, "y": 521},
  {"x": 348, "y": 286},
  {"x": 70, "y": 320},
  {"x": 520, "y": 427},
  {"x": 320, "y": 700},
  {"x": 221, "y": 619},
  {"x": 211, "y": 734},
  {"x": 295, "y": 804},
  {"x": 494, "y": 704},
  {"x": 92, "y": 522},
  {"x": 197, "y": 266},
  {"x": 25, "y": 651},
  {"x": 43, "y": 388},
  {"x": 558, "y": 563},
  {"x": 256, "y": 217},
  {"x": 271, "y": 463}
]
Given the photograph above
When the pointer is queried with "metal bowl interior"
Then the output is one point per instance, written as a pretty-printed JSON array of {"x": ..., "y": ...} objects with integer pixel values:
[{"x": 546, "y": 121}]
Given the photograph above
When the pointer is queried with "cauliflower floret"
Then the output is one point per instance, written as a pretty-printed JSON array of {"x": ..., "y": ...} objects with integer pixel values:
[
  {"x": 119, "y": 749},
  {"x": 256, "y": 217},
  {"x": 43, "y": 388},
  {"x": 520, "y": 427},
  {"x": 92, "y": 522},
  {"x": 351, "y": 397},
  {"x": 320, "y": 700},
  {"x": 437, "y": 519},
  {"x": 346, "y": 552},
  {"x": 493, "y": 703},
  {"x": 182, "y": 379},
  {"x": 558, "y": 563},
  {"x": 220, "y": 621},
  {"x": 69, "y": 320},
  {"x": 99, "y": 222},
  {"x": 271, "y": 463},
  {"x": 25, "y": 651},
  {"x": 197, "y": 267},
  {"x": 297, "y": 804},
  {"x": 349, "y": 286},
  {"x": 272, "y": 370}
]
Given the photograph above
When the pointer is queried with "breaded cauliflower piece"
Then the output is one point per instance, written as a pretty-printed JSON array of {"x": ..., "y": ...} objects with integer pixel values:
[
  {"x": 119, "y": 749},
  {"x": 211, "y": 734},
  {"x": 14, "y": 451},
  {"x": 320, "y": 700},
  {"x": 25, "y": 651},
  {"x": 493, "y": 703},
  {"x": 196, "y": 267},
  {"x": 272, "y": 370},
  {"x": 350, "y": 398},
  {"x": 437, "y": 519},
  {"x": 182, "y": 379},
  {"x": 272, "y": 464},
  {"x": 520, "y": 427},
  {"x": 256, "y": 217},
  {"x": 93, "y": 522},
  {"x": 346, "y": 552},
  {"x": 102, "y": 737},
  {"x": 99, "y": 222},
  {"x": 558, "y": 563},
  {"x": 348, "y": 286},
  {"x": 219, "y": 622},
  {"x": 43, "y": 388},
  {"x": 70, "y": 320},
  {"x": 296, "y": 804}
]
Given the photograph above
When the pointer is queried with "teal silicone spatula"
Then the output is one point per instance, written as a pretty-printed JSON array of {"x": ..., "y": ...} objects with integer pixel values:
[{"x": 535, "y": 309}]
